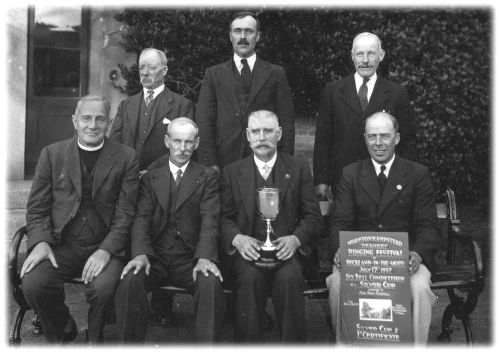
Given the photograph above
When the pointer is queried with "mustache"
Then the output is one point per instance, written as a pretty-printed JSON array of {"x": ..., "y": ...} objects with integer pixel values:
[{"x": 243, "y": 41}]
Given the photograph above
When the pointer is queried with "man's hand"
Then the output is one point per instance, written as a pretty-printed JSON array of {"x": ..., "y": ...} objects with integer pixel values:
[
  {"x": 286, "y": 246},
  {"x": 336, "y": 260},
  {"x": 248, "y": 247},
  {"x": 216, "y": 167},
  {"x": 137, "y": 264},
  {"x": 40, "y": 252},
  {"x": 323, "y": 191},
  {"x": 204, "y": 266},
  {"x": 414, "y": 262},
  {"x": 95, "y": 265}
]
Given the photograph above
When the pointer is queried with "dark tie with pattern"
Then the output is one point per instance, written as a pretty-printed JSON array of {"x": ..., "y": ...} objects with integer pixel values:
[
  {"x": 246, "y": 75},
  {"x": 382, "y": 179},
  {"x": 149, "y": 97},
  {"x": 178, "y": 177},
  {"x": 363, "y": 94}
]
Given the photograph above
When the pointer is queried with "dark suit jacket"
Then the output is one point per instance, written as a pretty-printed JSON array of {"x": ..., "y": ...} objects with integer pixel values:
[
  {"x": 407, "y": 205},
  {"x": 298, "y": 202},
  {"x": 339, "y": 137},
  {"x": 223, "y": 126},
  {"x": 56, "y": 192},
  {"x": 169, "y": 105},
  {"x": 197, "y": 211}
]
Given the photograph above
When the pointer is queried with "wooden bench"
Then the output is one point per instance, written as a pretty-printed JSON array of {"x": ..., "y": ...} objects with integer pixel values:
[{"x": 462, "y": 278}]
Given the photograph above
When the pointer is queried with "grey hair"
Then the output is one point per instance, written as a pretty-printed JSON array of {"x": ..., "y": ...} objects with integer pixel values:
[{"x": 91, "y": 98}]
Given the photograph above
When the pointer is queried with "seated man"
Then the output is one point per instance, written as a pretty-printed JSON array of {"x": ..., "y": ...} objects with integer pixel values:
[
  {"x": 79, "y": 213},
  {"x": 391, "y": 194},
  {"x": 243, "y": 230},
  {"x": 174, "y": 239}
]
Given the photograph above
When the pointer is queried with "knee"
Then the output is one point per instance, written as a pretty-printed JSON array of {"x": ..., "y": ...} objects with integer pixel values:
[
  {"x": 289, "y": 278},
  {"x": 333, "y": 281},
  {"x": 34, "y": 284},
  {"x": 208, "y": 283},
  {"x": 248, "y": 279}
]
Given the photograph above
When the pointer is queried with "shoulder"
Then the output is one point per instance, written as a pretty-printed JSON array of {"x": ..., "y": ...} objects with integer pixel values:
[
  {"x": 59, "y": 147},
  {"x": 341, "y": 82},
  {"x": 414, "y": 167},
  {"x": 121, "y": 149},
  {"x": 388, "y": 83}
]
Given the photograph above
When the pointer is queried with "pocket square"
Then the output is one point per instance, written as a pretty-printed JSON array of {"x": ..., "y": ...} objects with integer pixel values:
[{"x": 166, "y": 121}]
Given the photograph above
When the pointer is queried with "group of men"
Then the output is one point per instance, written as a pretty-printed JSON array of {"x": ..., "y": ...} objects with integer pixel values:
[{"x": 136, "y": 211}]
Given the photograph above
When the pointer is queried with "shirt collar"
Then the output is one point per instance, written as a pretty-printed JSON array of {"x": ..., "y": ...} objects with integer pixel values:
[
  {"x": 250, "y": 60},
  {"x": 388, "y": 166},
  {"x": 86, "y": 148},
  {"x": 260, "y": 164},
  {"x": 359, "y": 80},
  {"x": 157, "y": 91},
  {"x": 174, "y": 168}
]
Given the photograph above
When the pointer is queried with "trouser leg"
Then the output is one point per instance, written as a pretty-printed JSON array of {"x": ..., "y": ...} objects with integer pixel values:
[
  {"x": 422, "y": 301},
  {"x": 289, "y": 302},
  {"x": 100, "y": 293},
  {"x": 248, "y": 290},
  {"x": 333, "y": 285},
  {"x": 132, "y": 308}
]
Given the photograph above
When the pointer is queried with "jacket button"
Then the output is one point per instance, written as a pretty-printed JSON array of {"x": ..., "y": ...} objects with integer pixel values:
[{"x": 380, "y": 226}]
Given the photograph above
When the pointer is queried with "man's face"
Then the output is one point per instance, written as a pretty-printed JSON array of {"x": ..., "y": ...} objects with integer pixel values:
[
  {"x": 381, "y": 138},
  {"x": 151, "y": 70},
  {"x": 91, "y": 123},
  {"x": 244, "y": 36},
  {"x": 263, "y": 134},
  {"x": 182, "y": 142},
  {"x": 366, "y": 56}
]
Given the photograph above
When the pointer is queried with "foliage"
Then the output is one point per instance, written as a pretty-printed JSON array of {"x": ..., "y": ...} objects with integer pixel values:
[{"x": 442, "y": 56}]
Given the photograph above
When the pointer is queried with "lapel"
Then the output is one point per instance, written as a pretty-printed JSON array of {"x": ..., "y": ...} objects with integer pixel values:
[
  {"x": 397, "y": 177},
  {"x": 261, "y": 72},
  {"x": 163, "y": 105},
  {"x": 350, "y": 95},
  {"x": 369, "y": 180},
  {"x": 72, "y": 165},
  {"x": 228, "y": 83},
  {"x": 190, "y": 182},
  {"x": 246, "y": 183},
  {"x": 282, "y": 178},
  {"x": 160, "y": 182},
  {"x": 103, "y": 165},
  {"x": 133, "y": 119},
  {"x": 379, "y": 95}
]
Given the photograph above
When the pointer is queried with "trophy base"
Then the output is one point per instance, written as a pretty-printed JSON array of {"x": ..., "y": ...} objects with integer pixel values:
[{"x": 267, "y": 258}]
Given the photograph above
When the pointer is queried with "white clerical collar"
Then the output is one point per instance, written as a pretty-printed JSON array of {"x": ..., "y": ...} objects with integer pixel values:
[
  {"x": 388, "y": 166},
  {"x": 260, "y": 164},
  {"x": 156, "y": 91},
  {"x": 250, "y": 60},
  {"x": 174, "y": 168},
  {"x": 87, "y": 148}
]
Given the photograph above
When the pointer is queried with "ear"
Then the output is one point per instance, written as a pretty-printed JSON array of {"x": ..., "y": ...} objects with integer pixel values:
[
  {"x": 280, "y": 133},
  {"x": 257, "y": 38},
  {"x": 248, "y": 135},
  {"x": 381, "y": 54},
  {"x": 196, "y": 143},
  {"x": 397, "y": 139},
  {"x": 166, "y": 140},
  {"x": 74, "y": 119},
  {"x": 165, "y": 70}
]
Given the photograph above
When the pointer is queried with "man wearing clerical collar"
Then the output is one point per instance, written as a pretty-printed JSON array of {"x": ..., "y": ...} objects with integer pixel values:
[{"x": 79, "y": 213}]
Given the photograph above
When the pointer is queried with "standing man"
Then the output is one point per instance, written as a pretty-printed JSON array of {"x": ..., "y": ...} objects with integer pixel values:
[
  {"x": 344, "y": 105},
  {"x": 243, "y": 231},
  {"x": 79, "y": 213},
  {"x": 141, "y": 121},
  {"x": 390, "y": 194},
  {"x": 174, "y": 239},
  {"x": 231, "y": 90}
]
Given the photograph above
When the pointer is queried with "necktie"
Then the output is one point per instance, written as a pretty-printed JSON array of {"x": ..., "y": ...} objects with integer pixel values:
[
  {"x": 363, "y": 94},
  {"x": 246, "y": 75},
  {"x": 382, "y": 179},
  {"x": 178, "y": 177},
  {"x": 266, "y": 170},
  {"x": 149, "y": 97}
]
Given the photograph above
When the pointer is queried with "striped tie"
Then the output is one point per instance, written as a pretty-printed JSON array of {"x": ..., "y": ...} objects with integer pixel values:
[{"x": 363, "y": 94}]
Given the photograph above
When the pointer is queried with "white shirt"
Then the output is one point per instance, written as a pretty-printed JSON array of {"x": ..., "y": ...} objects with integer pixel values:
[
  {"x": 250, "y": 60},
  {"x": 157, "y": 91},
  {"x": 260, "y": 164},
  {"x": 388, "y": 166},
  {"x": 174, "y": 168},
  {"x": 370, "y": 84}
]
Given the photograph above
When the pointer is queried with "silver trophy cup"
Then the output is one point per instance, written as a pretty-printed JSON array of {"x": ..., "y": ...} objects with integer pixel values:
[{"x": 268, "y": 201}]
